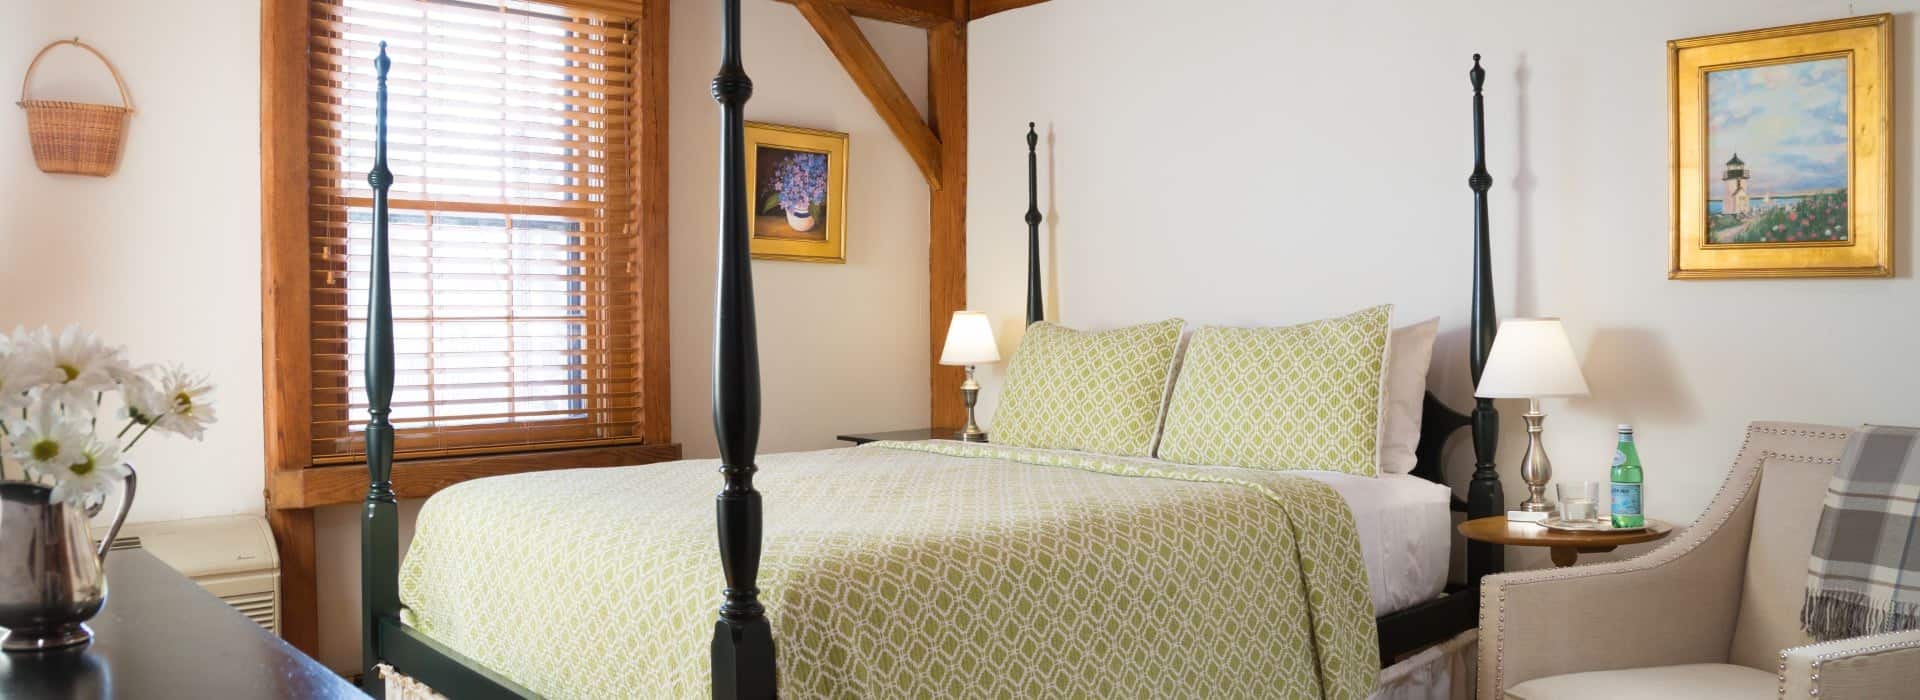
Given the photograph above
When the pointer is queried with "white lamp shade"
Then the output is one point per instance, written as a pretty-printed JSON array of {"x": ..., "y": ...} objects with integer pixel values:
[
  {"x": 1531, "y": 359},
  {"x": 970, "y": 340}
]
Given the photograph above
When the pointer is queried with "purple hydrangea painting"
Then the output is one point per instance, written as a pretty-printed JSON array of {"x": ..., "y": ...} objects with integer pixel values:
[
  {"x": 801, "y": 180},
  {"x": 793, "y": 186},
  {"x": 797, "y": 193}
]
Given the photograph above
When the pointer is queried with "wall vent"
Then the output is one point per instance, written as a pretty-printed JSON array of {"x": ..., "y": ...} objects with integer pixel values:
[{"x": 233, "y": 557}]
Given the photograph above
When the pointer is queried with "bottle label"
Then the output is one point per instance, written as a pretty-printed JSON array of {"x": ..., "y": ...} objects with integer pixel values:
[
  {"x": 1619, "y": 457},
  {"x": 1626, "y": 499}
]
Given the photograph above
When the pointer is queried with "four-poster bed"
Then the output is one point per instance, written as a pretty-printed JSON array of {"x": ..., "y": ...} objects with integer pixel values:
[{"x": 743, "y": 649}]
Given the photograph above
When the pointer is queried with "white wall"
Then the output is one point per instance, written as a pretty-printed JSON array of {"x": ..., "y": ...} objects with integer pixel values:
[
  {"x": 842, "y": 347},
  {"x": 1273, "y": 162},
  {"x": 177, "y": 230},
  {"x": 163, "y": 257}
]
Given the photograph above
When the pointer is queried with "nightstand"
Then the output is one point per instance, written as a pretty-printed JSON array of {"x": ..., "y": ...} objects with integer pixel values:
[
  {"x": 903, "y": 435},
  {"x": 1565, "y": 547}
]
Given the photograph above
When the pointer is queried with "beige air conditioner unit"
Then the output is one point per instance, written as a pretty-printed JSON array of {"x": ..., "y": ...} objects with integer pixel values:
[{"x": 233, "y": 557}]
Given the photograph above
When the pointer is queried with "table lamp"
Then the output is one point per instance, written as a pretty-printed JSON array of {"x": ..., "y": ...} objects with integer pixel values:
[
  {"x": 1532, "y": 360},
  {"x": 969, "y": 343}
]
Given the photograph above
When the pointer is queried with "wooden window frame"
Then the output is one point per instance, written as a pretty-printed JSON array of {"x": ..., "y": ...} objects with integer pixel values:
[
  {"x": 575, "y": 175},
  {"x": 294, "y": 482}
]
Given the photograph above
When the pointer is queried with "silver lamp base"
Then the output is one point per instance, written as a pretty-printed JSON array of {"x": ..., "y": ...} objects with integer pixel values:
[
  {"x": 1535, "y": 468},
  {"x": 970, "y": 392}
]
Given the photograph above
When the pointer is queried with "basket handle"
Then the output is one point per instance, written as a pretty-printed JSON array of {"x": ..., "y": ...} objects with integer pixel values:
[{"x": 126, "y": 98}]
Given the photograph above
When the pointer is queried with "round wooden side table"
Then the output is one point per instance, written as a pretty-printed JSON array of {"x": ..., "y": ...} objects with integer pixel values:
[{"x": 1565, "y": 547}]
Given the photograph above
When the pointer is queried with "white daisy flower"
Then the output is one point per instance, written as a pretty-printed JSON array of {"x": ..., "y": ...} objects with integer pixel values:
[
  {"x": 142, "y": 400},
  {"x": 97, "y": 471},
  {"x": 22, "y": 369},
  {"x": 45, "y": 443},
  {"x": 179, "y": 402},
  {"x": 32, "y": 347},
  {"x": 87, "y": 366}
]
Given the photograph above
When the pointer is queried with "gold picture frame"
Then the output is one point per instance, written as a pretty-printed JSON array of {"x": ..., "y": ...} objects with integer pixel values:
[
  {"x": 796, "y": 193},
  {"x": 1806, "y": 112}
]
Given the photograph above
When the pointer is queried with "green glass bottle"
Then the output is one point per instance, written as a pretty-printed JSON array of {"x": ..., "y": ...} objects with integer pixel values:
[{"x": 1626, "y": 482}]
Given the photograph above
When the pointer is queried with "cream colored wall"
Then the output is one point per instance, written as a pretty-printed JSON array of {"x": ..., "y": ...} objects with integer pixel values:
[
  {"x": 163, "y": 257},
  {"x": 842, "y": 346},
  {"x": 1267, "y": 163}
]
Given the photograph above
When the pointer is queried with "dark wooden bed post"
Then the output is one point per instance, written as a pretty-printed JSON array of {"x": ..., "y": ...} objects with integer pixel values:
[
  {"x": 383, "y": 638},
  {"x": 1484, "y": 497},
  {"x": 1414, "y": 628},
  {"x": 1035, "y": 307},
  {"x": 379, "y": 524},
  {"x": 743, "y": 665}
]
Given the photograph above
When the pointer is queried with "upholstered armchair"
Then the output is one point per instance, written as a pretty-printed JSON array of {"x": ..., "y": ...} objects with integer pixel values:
[{"x": 1714, "y": 613}]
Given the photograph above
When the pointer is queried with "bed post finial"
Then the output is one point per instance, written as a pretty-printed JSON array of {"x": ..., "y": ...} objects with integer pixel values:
[
  {"x": 743, "y": 663},
  {"x": 1035, "y": 305},
  {"x": 1484, "y": 495},
  {"x": 379, "y": 523}
]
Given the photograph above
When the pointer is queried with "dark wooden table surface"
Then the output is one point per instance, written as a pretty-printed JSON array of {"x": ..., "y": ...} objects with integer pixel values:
[
  {"x": 904, "y": 435},
  {"x": 163, "y": 637}
]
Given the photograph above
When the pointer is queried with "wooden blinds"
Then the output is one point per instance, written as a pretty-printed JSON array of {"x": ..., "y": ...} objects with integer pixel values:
[{"x": 511, "y": 131}]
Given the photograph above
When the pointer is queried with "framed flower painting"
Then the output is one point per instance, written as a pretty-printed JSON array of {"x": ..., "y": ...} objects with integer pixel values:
[
  {"x": 1782, "y": 154},
  {"x": 797, "y": 193}
]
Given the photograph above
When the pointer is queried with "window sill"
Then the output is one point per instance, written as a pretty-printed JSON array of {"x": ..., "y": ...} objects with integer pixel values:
[{"x": 320, "y": 486}]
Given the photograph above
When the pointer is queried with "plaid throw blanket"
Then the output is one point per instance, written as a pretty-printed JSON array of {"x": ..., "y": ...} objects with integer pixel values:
[{"x": 1864, "y": 574}]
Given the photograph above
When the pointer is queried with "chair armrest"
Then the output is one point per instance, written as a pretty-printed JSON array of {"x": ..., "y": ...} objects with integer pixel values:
[
  {"x": 1873, "y": 666},
  {"x": 1674, "y": 605}
]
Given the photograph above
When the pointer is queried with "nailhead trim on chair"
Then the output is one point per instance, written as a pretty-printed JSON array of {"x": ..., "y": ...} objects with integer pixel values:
[
  {"x": 1813, "y": 688},
  {"x": 1694, "y": 536},
  {"x": 1782, "y": 692},
  {"x": 1800, "y": 458},
  {"x": 1822, "y": 434}
]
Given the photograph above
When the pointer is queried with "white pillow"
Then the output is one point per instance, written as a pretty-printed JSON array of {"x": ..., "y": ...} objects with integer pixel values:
[{"x": 1409, "y": 352}]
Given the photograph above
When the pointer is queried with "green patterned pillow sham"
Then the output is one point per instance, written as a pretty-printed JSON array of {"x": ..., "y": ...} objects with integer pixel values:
[
  {"x": 1300, "y": 397},
  {"x": 1095, "y": 392}
]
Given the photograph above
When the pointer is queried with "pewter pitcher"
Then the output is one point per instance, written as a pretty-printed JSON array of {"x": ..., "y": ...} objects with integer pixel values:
[{"x": 52, "y": 577}]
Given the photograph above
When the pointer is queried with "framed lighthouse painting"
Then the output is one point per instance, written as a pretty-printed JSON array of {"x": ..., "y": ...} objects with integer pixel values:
[{"x": 1782, "y": 153}]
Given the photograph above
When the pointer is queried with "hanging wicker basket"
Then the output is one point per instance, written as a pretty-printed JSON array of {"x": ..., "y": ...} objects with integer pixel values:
[{"x": 76, "y": 137}]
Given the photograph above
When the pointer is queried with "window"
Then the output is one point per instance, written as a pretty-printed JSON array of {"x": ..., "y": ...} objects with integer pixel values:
[{"x": 516, "y": 252}]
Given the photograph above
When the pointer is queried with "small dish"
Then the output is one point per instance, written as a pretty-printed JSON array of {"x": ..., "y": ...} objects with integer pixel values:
[{"x": 1604, "y": 524}]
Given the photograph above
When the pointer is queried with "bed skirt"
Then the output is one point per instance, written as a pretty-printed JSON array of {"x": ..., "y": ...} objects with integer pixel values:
[
  {"x": 1444, "y": 671},
  {"x": 401, "y": 686}
]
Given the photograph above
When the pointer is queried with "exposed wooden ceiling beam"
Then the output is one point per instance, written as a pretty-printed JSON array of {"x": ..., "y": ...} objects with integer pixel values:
[
  {"x": 832, "y": 21},
  {"x": 981, "y": 8},
  {"x": 919, "y": 13},
  {"x": 947, "y": 212}
]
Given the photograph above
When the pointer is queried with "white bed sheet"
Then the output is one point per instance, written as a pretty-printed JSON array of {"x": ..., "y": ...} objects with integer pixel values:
[{"x": 1406, "y": 534}]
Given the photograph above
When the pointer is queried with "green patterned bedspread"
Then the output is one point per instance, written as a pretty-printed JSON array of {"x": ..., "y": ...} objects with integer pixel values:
[{"x": 909, "y": 570}]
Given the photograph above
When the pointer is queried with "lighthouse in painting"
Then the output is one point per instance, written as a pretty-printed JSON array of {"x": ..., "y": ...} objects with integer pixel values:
[{"x": 1737, "y": 202}]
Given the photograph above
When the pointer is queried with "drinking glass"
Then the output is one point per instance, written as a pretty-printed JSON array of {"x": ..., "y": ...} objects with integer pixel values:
[{"x": 1579, "y": 501}]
